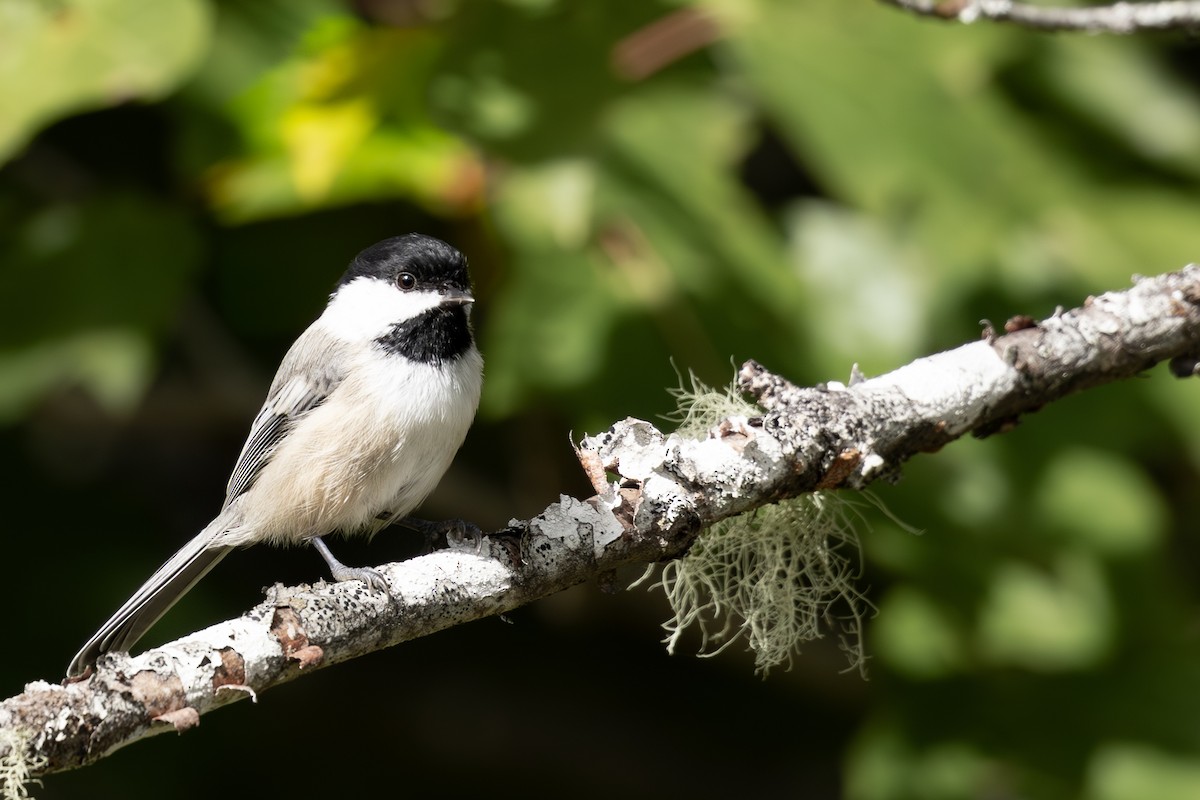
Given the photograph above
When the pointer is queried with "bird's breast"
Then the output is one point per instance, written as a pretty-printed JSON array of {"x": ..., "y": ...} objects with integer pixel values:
[{"x": 380, "y": 442}]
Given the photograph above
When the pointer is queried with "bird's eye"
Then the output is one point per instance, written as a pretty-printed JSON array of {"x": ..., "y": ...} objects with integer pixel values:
[{"x": 406, "y": 281}]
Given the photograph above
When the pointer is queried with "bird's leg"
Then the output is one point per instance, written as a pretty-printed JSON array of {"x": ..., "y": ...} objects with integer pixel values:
[
  {"x": 456, "y": 532},
  {"x": 341, "y": 572}
]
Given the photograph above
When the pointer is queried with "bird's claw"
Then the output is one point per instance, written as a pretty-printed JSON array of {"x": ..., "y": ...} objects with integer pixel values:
[
  {"x": 455, "y": 532},
  {"x": 340, "y": 572},
  {"x": 371, "y": 577},
  {"x": 459, "y": 531}
]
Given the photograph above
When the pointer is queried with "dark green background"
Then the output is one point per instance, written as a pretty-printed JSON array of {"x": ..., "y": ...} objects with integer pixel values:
[{"x": 824, "y": 182}]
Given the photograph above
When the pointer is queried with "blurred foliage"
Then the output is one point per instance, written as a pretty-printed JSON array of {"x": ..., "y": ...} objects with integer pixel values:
[
  {"x": 807, "y": 182},
  {"x": 60, "y": 57}
]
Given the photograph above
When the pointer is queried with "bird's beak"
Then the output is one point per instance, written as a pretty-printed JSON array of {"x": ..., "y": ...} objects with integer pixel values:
[{"x": 456, "y": 297}]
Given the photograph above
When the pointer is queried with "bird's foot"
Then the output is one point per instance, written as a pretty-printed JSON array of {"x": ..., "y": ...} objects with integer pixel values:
[
  {"x": 371, "y": 577},
  {"x": 454, "y": 532}
]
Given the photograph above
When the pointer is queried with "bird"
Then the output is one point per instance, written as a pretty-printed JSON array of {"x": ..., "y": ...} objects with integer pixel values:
[{"x": 364, "y": 416}]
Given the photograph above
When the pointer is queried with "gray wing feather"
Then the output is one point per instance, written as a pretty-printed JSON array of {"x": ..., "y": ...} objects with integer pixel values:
[{"x": 298, "y": 389}]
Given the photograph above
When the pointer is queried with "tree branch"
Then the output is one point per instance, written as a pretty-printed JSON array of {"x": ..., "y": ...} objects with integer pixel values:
[
  {"x": 667, "y": 489},
  {"x": 1116, "y": 18}
]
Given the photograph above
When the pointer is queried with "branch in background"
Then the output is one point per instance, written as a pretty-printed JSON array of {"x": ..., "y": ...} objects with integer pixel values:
[
  {"x": 1115, "y": 18},
  {"x": 668, "y": 489},
  {"x": 664, "y": 41}
]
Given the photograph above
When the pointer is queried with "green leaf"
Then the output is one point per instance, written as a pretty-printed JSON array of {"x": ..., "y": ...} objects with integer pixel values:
[
  {"x": 1133, "y": 771},
  {"x": 533, "y": 81},
  {"x": 99, "y": 282},
  {"x": 924, "y": 129},
  {"x": 116, "y": 260},
  {"x": 1049, "y": 621},
  {"x": 113, "y": 366},
  {"x": 341, "y": 121},
  {"x": 1101, "y": 502},
  {"x": 1103, "y": 78},
  {"x": 915, "y": 635},
  {"x": 66, "y": 56},
  {"x": 691, "y": 175}
]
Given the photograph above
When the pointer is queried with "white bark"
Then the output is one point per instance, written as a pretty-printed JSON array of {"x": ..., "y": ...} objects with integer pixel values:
[{"x": 1120, "y": 17}]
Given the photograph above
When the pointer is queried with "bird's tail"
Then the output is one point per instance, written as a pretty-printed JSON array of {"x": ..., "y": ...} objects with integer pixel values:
[{"x": 171, "y": 582}]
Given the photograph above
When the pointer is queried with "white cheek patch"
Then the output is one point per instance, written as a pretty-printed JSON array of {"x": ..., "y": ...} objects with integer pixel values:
[{"x": 367, "y": 308}]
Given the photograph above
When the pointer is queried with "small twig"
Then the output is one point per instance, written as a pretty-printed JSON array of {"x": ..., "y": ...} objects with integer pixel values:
[
  {"x": 1122, "y": 18},
  {"x": 664, "y": 41}
]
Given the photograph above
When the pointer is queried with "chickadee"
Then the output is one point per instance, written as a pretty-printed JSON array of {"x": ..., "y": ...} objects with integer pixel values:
[{"x": 364, "y": 416}]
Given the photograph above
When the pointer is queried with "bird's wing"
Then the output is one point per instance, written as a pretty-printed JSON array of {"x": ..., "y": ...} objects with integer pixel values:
[
  {"x": 297, "y": 390},
  {"x": 310, "y": 372}
]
